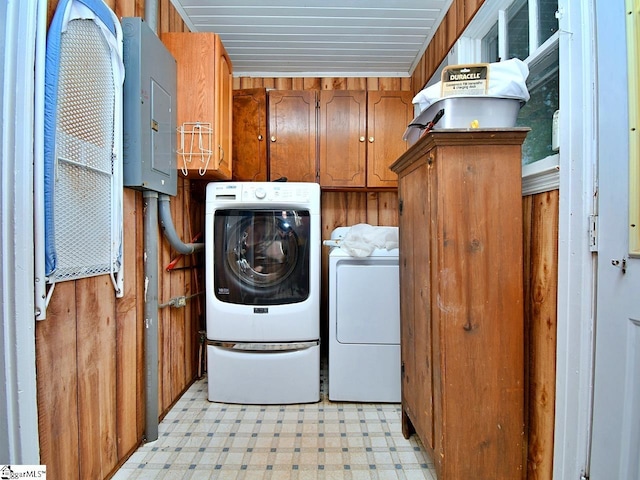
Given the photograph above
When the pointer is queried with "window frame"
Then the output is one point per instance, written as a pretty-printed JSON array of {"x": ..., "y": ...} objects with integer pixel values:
[
  {"x": 543, "y": 174},
  {"x": 633, "y": 47}
]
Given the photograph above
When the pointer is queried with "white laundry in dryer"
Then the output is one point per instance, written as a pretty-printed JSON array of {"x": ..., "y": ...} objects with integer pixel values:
[{"x": 364, "y": 324}]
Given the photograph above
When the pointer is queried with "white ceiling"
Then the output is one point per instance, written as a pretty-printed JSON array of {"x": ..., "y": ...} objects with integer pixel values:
[{"x": 319, "y": 38}]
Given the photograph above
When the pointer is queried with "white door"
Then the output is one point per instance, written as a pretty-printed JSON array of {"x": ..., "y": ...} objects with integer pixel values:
[{"x": 615, "y": 450}]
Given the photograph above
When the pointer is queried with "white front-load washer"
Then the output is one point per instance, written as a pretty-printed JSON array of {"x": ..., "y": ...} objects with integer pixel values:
[
  {"x": 364, "y": 325},
  {"x": 262, "y": 250}
]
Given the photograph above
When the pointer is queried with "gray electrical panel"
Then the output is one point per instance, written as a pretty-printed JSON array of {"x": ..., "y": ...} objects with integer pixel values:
[{"x": 149, "y": 140}]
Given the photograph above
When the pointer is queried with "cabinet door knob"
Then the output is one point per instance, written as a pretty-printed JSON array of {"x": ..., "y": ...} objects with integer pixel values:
[
  {"x": 260, "y": 137},
  {"x": 362, "y": 139},
  {"x": 370, "y": 139},
  {"x": 273, "y": 138}
]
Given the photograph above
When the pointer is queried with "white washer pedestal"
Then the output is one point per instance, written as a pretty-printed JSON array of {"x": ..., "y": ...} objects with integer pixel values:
[
  {"x": 238, "y": 374},
  {"x": 364, "y": 327}
]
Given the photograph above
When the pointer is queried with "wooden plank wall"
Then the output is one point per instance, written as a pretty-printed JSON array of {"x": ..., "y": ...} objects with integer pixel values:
[
  {"x": 540, "y": 218},
  {"x": 455, "y": 21},
  {"x": 89, "y": 350}
]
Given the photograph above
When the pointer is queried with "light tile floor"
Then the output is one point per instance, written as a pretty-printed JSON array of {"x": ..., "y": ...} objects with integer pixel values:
[{"x": 326, "y": 440}]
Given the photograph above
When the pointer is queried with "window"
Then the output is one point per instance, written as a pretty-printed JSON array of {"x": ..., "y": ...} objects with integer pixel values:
[
  {"x": 521, "y": 37},
  {"x": 528, "y": 30},
  {"x": 547, "y": 21},
  {"x": 537, "y": 113},
  {"x": 517, "y": 40}
]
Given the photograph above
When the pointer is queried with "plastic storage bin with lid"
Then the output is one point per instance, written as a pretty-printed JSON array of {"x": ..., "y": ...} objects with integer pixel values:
[{"x": 506, "y": 92}]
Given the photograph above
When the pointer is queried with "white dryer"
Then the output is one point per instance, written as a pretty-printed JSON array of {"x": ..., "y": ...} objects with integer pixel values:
[{"x": 364, "y": 324}]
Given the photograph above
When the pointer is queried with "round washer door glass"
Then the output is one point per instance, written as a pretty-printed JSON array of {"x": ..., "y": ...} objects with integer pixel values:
[{"x": 261, "y": 256}]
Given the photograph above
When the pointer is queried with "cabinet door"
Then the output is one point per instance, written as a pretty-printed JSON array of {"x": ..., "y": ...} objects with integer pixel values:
[
  {"x": 204, "y": 96},
  {"x": 388, "y": 114},
  {"x": 223, "y": 111},
  {"x": 292, "y": 135},
  {"x": 342, "y": 135},
  {"x": 415, "y": 314},
  {"x": 250, "y": 135},
  {"x": 479, "y": 313}
]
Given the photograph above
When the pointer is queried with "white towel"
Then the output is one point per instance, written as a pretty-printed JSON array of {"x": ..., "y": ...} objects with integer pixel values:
[{"x": 362, "y": 239}]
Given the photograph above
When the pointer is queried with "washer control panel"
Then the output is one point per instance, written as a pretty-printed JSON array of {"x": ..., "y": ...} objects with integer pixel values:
[
  {"x": 264, "y": 192},
  {"x": 275, "y": 192}
]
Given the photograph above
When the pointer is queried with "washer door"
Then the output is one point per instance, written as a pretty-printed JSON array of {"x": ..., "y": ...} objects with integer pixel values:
[{"x": 261, "y": 257}]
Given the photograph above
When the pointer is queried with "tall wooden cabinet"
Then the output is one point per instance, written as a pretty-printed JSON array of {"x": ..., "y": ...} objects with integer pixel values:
[
  {"x": 204, "y": 105},
  {"x": 461, "y": 301}
]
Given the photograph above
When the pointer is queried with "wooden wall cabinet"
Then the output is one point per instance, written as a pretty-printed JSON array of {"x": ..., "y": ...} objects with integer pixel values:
[
  {"x": 205, "y": 94},
  {"x": 341, "y": 138},
  {"x": 461, "y": 301},
  {"x": 361, "y": 135},
  {"x": 250, "y": 140},
  {"x": 292, "y": 135}
]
